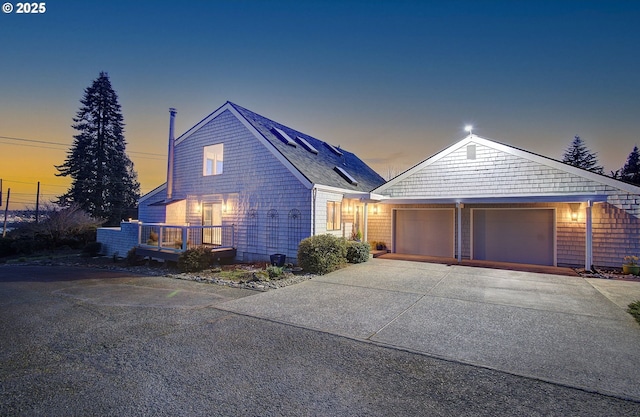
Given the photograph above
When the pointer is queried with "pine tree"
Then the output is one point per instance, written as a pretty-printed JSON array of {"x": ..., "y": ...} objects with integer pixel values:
[
  {"x": 631, "y": 170},
  {"x": 104, "y": 182},
  {"x": 578, "y": 155}
]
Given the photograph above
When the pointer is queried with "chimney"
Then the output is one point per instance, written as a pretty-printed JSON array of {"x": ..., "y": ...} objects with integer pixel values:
[{"x": 172, "y": 143}]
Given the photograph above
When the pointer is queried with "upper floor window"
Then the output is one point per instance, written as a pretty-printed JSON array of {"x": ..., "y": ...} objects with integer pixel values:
[{"x": 213, "y": 159}]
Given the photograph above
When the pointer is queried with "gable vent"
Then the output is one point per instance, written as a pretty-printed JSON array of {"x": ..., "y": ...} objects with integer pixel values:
[
  {"x": 344, "y": 174},
  {"x": 284, "y": 137},
  {"x": 333, "y": 149},
  {"x": 471, "y": 151},
  {"x": 307, "y": 145}
]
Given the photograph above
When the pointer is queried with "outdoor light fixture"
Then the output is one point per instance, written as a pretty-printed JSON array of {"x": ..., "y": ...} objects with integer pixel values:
[
  {"x": 198, "y": 208},
  {"x": 375, "y": 209},
  {"x": 574, "y": 207},
  {"x": 469, "y": 128}
]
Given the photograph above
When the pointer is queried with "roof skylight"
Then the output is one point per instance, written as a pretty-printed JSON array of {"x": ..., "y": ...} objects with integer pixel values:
[
  {"x": 307, "y": 145},
  {"x": 344, "y": 174},
  {"x": 284, "y": 137},
  {"x": 333, "y": 149}
]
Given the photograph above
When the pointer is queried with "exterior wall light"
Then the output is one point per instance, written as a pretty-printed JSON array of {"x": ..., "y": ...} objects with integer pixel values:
[
  {"x": 375, "y": 209},
  {"x": 574, "y": 207}
]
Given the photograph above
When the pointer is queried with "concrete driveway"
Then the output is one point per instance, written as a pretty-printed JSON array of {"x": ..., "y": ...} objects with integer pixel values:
[{"x": 568, "y": 330}]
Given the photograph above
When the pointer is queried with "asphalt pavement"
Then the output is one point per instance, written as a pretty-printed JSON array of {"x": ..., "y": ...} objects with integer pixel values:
[{"x": 77, "y": 342}]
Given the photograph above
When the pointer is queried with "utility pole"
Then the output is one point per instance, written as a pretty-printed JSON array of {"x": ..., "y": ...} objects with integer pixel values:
[
  {"x": 38, "y": 202},
  {"x": 6, "y": 210}
]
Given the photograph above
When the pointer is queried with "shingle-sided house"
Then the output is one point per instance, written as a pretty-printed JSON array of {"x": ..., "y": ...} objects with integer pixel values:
[
  {"x": 483, "y": 200},
  {"x": 267, "y": 185},
  {"x": 238, "y": 179}
]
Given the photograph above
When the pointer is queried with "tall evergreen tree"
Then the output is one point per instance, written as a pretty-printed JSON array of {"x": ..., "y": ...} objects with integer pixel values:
[
  {"x": 578, "y": 155},
  {"x": 104, "y": 182},
  {"x": 631, "y": 170}
]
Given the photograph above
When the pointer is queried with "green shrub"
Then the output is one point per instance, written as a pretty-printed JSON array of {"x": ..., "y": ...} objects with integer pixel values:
[
  {"x": 92, "y": 249},
  {"x": 6, "y": 248},
  {"x": 634, "y": 310},
  {"x": 195, "y": 259},
  {"x": 357, "y": 252},
  {"x": 322, "y": 254},
  {"x": 133, "y": 259},
  {"x": 24, "y": 245},
  {"x": 274, "y": 271}
]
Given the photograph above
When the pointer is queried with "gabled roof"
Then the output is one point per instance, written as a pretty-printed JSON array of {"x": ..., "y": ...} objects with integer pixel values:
[
  {"x": 321, "y": 163},
  {"x": 312, "y": 160},
  {"x": 521, "y": 153}
]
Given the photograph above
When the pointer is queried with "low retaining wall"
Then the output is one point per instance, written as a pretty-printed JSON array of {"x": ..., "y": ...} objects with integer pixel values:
[{"x": 117, "y": 241}]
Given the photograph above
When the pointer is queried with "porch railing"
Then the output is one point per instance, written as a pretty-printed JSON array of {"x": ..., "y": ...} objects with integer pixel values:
[{"x": 175, "y": 238}]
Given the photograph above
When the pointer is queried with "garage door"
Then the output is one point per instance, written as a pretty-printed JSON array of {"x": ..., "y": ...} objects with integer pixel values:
[
  {"x": 520, "y": 236},
  {"x": 424, "y": 232}
]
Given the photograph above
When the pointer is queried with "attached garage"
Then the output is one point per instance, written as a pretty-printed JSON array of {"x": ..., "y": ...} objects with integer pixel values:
[
  {"x": 428, "y": 232},
  {"x": 514, "y": 235}
]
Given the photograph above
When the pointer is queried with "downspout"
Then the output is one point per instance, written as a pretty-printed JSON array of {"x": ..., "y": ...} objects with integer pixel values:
[
  {"x": 314, "y": 192},
  {"x": 170, "y": 154}
]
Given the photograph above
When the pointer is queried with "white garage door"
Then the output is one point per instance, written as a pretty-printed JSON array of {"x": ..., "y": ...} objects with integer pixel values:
[
  {"x": 520, "y": 236},
  {"x": 424, "y": 232}
]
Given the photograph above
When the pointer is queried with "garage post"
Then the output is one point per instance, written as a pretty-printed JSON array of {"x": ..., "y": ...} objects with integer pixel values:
[
  {"x": 459, "y": 207},
  {"x": 588, "y": 256},
  {"x": 365, "y": 234}
]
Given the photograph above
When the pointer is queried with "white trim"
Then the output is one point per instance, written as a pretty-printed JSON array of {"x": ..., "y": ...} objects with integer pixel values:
[
  {"x": 343, "y": 191},
  {"x": 499, "y": 199},
  {"x": 421, "y": 165},
  {"x": 592, "y": 176},
  {"x": 555, "y": 227},
  {"x": 393, "y": 225},
  {"x": 275, "y": 152},
  {"x": 197, "y": 126},
  {"x": 152, "y": 193},
  {"x": 363, "y": 196}
]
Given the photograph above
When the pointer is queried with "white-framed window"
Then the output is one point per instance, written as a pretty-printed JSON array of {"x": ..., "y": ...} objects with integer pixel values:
[
  {"x": 213, "y": 159},
  {"x": 334, "y": 215}
]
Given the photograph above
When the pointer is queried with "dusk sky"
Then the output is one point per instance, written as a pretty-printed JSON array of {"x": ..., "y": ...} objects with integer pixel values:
[{"x": 392, "y": 81}]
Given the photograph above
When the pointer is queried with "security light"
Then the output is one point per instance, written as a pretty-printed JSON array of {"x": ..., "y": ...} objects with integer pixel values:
[{"x": 468, "y": 128}]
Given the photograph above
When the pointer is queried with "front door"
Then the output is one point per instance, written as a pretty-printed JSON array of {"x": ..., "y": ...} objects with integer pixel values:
[{"x": 212, "y": 216}]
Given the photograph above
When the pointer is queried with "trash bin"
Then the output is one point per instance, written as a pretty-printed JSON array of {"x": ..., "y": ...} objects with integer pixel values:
[{"x": 278, "y": 259}]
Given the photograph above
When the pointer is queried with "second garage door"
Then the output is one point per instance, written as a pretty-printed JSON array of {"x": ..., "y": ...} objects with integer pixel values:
[
  {"x": 424, "y": 232},
  {"x": 514, "y": 235}
]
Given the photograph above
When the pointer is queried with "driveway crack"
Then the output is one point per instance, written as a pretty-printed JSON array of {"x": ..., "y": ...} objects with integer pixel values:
[{"x": 409, "y": 307}]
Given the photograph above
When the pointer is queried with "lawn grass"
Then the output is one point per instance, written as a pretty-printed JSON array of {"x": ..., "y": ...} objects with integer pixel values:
[{"x": 634, "y": 310}]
